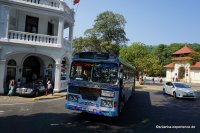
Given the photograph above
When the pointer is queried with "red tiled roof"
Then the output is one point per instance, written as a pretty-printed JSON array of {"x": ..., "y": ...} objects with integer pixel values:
[
  {"x": 181, "y": 58},
  {"x": 171, "y": 65},
  {"x": 196, "y": 65},
  {"x": 185, "y": 50}
]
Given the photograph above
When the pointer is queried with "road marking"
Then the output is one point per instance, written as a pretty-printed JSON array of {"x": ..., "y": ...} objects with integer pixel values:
[
  {"x": 1, "y": 112},
  {"x": 56, "y": 124},
  {"x": 10, "y": 104}
]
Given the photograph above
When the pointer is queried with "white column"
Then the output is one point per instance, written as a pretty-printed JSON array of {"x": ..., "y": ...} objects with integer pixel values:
[
  {"x": 57, "y": 84},
  {"x": 4, "y": 21},
  {"x": 2, "y": 75},
  {"x": 60, "y": 30},
  {"x": 71, "y": 30}
]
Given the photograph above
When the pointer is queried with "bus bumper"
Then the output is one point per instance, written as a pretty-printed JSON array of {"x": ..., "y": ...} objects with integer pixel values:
[{"x": 111, "y": 112}]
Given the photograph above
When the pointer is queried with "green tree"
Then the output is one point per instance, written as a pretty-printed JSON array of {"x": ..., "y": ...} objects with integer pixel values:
[
  {"x": 174, "y": 47},
  {"x": 195, "y": 58},
  {"x": 195, "y": 46},
  {"x": 134, "y": 54},
  {"x": 164, "y": 57},
  {"x": 86, "y": 44},
  {"x": 109, "y": 30}
]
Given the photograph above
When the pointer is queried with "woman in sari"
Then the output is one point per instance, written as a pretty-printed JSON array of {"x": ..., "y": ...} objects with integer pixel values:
[{"x": 11, "y": 88}]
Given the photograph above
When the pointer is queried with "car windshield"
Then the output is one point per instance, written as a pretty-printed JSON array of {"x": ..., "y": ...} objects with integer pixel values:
[
  {"x": 181, "y": 85},
  {"x": 96, "y": 72}
]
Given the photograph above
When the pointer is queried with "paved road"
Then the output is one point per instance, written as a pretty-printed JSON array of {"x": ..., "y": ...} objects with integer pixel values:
[{"x": 146, "y": 110}]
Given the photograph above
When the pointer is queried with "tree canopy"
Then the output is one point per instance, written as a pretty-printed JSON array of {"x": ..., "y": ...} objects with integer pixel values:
[
  {"x": 106, "y": 35},
  {"x": 140, "y": 56}
]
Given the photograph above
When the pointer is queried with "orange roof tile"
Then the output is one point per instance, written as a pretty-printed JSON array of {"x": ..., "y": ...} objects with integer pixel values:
[
  {"x": 181, "y": 58},
  {"x": 185, "y": 50},
  {"x": 171, "y": 65},
  {"x": 196, "y": 65}
]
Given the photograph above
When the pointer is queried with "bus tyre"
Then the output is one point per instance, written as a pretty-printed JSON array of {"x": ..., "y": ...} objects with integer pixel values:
[
  {"x": 133, "y": 90},
  {"x": 121, "y": 106}
]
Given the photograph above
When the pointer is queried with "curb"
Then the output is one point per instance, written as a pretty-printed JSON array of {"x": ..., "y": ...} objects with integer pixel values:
[{"x": 47, "y": 98}]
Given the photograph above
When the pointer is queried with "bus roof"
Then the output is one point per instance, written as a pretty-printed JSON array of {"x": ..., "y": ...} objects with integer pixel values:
[{"x": 100, "y": 57}]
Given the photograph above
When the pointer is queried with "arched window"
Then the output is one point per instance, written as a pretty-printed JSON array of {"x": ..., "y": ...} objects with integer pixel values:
[
  {"x": 181, "y": 73},
  {"x": 11, "y": 63}
]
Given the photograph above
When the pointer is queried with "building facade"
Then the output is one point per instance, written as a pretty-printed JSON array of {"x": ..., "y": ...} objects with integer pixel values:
[
  {"x": 182, "y": 68},
  {"x": 32, "y": 41}
]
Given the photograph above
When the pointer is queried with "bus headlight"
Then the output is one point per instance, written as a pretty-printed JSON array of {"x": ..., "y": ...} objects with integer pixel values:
[
  {"x": 72, "y": 98},
  {"x": 107, "y": 93},
  {"x": 106, "y": 103}
]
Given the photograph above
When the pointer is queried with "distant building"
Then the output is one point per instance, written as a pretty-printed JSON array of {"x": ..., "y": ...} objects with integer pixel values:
[
  {"x": 182, "y": 68},
  {"x": 32, "y": 43}
]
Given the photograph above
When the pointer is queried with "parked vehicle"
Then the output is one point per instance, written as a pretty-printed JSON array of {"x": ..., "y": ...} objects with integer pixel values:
[
  {"x": 178, "y": 90},
  {"x": 31, "y": 89}
]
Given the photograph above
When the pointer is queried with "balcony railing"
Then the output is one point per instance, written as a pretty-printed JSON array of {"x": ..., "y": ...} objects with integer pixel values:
[
  {"x": 53, "y": 4},
  {"x": 31, "y": 37},
  {"x": 49, "y": 3}
]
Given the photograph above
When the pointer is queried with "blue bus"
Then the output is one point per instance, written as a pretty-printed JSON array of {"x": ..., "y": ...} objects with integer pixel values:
[{"x": 100, "y": 83}]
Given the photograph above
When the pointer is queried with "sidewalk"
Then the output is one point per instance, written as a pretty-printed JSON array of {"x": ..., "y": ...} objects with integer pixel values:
[{"x": 20, "y": 99}]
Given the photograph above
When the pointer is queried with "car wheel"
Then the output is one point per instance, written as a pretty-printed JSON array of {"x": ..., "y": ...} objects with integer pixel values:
[
  {"x": 174, "y": 94},
  {"x": 164, "y": 91},
  {"x": 37, "y": 93}
]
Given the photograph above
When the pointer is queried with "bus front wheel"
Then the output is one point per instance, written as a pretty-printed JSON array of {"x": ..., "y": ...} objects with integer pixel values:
[{"x": 121, "y": 105}]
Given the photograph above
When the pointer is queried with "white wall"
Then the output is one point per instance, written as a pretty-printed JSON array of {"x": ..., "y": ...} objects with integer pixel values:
[
  {"x": 195, "y": 76},
  {"x": 168, "y": 75}
]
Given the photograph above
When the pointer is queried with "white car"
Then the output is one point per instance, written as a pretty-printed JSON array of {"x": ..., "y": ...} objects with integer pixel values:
[{"x": 178, "y": 90}]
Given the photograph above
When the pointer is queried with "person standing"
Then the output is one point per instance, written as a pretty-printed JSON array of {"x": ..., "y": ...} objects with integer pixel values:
[
  {"x": 50, "y": 86},
  {"x": 153, "y": 80},
  {"x": 11, "y": 88}
]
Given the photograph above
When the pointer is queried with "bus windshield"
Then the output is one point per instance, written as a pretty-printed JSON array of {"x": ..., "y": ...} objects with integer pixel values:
[{"x": 95, "y": 72}]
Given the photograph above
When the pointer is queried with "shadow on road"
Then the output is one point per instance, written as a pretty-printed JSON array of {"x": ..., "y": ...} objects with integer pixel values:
[{"x": 139, "y": 115}]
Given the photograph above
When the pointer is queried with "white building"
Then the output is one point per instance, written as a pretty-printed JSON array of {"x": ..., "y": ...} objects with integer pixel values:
[
  {"x": 32, "y": 42},
  {"x": 182, "y": 68}
]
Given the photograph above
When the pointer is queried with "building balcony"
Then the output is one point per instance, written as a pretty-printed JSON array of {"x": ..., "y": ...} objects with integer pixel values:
[
  {"x": 56, "y": 4},
  {"x": 47, "y": 3},
  {"x": 36, "y": 39},
  {"x": 32, "y": 38}
]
